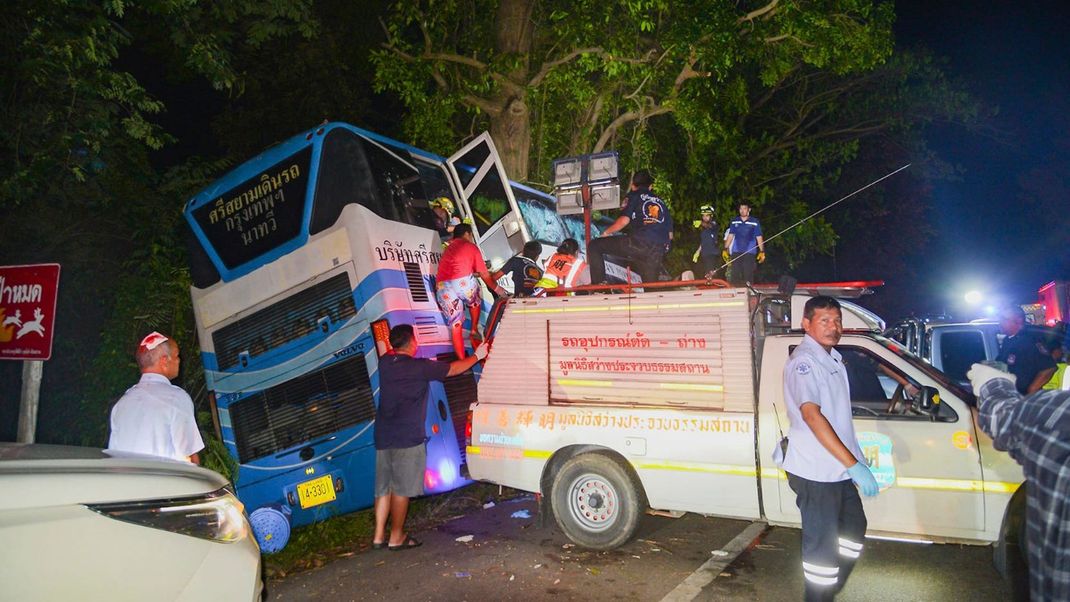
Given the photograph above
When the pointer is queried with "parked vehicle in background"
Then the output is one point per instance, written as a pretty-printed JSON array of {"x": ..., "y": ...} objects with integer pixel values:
[
  {"x": 950, "y": 346},
  {"x": 86, "y": 524}
]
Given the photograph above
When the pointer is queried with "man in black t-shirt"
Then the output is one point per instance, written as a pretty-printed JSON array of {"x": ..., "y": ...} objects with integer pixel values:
[
  {"x": 525, "y": 272},
  {"x": 645, "y": 245},
  {"x": 1020, "y": 352},
  {"x": 400, "y": 457}
]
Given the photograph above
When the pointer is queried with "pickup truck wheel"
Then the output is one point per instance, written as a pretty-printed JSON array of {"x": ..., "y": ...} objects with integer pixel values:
[
  {"x": 1010, "y": 554},
  {"x": 595, "y": 502}
]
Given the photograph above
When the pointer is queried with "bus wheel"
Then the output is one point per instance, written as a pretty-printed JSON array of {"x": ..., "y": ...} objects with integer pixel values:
[{"x": 595, "y": 502}]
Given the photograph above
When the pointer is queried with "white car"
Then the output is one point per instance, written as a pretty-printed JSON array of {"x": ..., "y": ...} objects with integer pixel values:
[{"x": 85, "y": 524}]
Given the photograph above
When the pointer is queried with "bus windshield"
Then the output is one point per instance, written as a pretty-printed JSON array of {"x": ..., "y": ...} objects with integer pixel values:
[{"x": 547, "y": 226}]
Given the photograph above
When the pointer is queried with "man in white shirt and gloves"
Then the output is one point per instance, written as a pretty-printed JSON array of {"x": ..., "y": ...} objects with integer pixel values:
[
  {"x": 823, "y": 460},
  {"x": 155, "y": 417}
]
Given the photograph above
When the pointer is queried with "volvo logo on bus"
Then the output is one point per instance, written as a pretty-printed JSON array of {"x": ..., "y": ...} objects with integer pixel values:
[{"x": 349, "y": 350}]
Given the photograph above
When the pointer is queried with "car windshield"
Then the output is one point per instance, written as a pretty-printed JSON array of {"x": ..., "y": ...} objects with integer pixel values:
[{"x": 945, "y": 381}]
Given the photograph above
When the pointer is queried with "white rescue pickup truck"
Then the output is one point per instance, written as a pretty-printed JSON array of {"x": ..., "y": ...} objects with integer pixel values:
[{"x": 610, "y": 405}]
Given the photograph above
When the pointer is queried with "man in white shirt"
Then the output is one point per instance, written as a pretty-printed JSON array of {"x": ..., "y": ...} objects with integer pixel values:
[
  {"x": 823, "y": 460},
  {"x": 155, "y": 417}
]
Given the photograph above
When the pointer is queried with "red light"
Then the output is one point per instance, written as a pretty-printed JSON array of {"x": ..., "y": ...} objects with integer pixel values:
[
  {"x": 430, "y": 479},
  {"x": 381, "y": 334},
  {"x": 468, "y": 428},
  {"x": 434, "y": 429}
]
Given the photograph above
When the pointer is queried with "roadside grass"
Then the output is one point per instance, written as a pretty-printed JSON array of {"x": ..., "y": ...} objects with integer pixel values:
[{"x": 341, "y": 536}]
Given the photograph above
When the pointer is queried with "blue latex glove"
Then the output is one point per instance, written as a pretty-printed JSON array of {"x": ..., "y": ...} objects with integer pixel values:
[{"x": 862, "y": 477}]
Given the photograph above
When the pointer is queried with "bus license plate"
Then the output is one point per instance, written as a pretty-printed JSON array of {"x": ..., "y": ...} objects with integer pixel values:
[{"x": 315, "y": 492}]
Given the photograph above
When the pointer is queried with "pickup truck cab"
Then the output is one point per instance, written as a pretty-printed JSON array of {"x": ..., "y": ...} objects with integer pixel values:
[{"x": 610, "y": 405}]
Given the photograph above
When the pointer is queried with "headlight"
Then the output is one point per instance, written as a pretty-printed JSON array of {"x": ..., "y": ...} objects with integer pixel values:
[{"x": 217, "y": 516}]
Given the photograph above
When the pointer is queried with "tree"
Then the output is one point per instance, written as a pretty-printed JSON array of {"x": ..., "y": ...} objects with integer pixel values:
[
  {"x": 556, "y": 78},
  {"x": 77, "y": 185}
]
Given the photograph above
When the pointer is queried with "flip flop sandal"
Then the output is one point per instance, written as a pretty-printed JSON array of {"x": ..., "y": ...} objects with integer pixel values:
[
  {"x": 409, "y": 543},
  {"x": 378, "y": 545}
]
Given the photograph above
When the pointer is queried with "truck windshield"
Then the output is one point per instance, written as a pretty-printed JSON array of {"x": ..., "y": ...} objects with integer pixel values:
[{"x": 945, "y": 381}]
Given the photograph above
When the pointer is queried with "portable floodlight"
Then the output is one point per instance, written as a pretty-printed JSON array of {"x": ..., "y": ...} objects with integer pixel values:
[
  {"x": 569, "y": 201},
  {"x": 603, "y": 167},
  {"x": 568, "y": 172},
  {"x": 587, "y": 183},
  {"x": 604, "y": 197}
]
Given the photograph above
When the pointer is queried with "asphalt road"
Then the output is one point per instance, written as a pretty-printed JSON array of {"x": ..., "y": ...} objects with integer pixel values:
[{"x": 509, "y": 557}]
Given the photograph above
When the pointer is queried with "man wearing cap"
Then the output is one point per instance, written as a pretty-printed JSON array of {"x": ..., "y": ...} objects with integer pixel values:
[{"x": 155, "y": 417}]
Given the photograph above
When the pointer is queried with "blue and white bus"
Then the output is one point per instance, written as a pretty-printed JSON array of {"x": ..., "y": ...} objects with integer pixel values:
[{"x": 302, "y": 258}]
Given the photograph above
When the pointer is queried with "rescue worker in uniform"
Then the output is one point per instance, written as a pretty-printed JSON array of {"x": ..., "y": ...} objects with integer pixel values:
[
  {"x": 445, "y": 221},
  {"x": 649, "y": 239},
  {"x": 1035, "y": 430},
  {"x": 523, "y": 269},
  {"x": 708, "y": 242},
  {"x": 1032, "y": 367},
  {"x": 823, "y": 460},
  {"x": 565, "y": 268},
  {"x": 744, "y": 245}
]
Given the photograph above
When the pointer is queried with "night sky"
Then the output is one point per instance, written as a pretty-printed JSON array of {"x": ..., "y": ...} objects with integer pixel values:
[{"x": 1014, "y": 55}]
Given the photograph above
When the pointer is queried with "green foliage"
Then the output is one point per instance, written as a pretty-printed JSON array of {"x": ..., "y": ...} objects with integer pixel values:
[
  {"x": 77, "y": 186},
  {"x": 722, "y": 101}
]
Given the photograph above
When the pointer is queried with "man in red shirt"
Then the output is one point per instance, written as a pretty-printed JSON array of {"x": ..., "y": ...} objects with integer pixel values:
[{"x": 458, "y": 287}]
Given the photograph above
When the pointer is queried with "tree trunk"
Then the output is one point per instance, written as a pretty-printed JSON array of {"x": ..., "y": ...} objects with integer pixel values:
[
  {"x": 511, "y": 131},
  {"x": 511, "y": 126}
]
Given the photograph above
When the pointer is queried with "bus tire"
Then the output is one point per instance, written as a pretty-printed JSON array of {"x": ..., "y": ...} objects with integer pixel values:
[
  {"x": 1009, "y": 554},
  {"x": 595, "y": 501}
]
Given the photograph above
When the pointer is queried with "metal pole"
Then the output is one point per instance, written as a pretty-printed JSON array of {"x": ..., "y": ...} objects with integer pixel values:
[{"x": 31, "y": 394}]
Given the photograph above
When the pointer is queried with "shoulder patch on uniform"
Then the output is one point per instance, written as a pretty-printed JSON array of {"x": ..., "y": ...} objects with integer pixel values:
[{"x": 803, "y": 368}]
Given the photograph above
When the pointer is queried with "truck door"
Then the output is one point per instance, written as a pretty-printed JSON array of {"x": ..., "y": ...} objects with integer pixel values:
[
  {"x": 930, "y": 461},
  {"x": 935, "y": 467},
  {"x": 486, "y": 197}
]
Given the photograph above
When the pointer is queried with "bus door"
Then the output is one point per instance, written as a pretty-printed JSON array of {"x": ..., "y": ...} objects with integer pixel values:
[{"x": 485, "y": 197}]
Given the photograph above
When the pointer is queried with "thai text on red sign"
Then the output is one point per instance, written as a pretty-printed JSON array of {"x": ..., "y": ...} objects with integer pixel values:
[{"x": 27, "y": 310}]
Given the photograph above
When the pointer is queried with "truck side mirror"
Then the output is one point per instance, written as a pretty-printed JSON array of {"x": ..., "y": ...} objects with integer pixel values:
[{"x": 929, "y": 401}]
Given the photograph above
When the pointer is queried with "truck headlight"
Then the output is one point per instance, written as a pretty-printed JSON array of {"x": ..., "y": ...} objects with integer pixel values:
[{"x": 217, "y": 516}]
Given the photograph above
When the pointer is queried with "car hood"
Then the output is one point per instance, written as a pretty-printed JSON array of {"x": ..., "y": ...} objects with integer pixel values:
[{"x": 47, "y": 475}]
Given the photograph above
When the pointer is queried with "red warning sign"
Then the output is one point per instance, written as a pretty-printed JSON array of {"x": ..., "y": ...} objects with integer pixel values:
[{"x": 27, "y": 310}]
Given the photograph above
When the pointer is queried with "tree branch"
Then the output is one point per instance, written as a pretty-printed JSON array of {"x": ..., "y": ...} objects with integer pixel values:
[
  {"x": 759, "y": 13},
  {"x": 549, "y": 66},
  {"x": 624, "y": 118}
]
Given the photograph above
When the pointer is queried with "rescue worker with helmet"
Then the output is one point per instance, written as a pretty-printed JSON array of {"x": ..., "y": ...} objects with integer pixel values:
[
  {"x": 445, "y": 220},
  {"x": 709, "y": 243}
]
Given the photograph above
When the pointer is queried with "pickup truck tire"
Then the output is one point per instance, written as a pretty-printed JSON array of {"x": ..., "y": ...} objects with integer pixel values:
[
  {"x": 1009, "y": 554},
  {"x": 595, "y": 502}
]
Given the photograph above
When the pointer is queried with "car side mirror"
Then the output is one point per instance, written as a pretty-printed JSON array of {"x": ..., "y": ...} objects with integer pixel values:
[{"x": 929, "y": 401}]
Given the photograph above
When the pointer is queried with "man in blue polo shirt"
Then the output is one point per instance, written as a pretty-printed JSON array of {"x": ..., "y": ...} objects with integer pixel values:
[
  {"x": 744, "y": 244},
  {"x": 824, "y": 463},
  {"x": 648, "y": 240}
]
